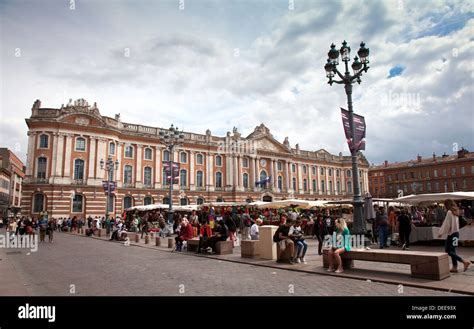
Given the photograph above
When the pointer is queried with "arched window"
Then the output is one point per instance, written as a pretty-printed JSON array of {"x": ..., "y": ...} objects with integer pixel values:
[
  {"x": 166, "y": 180},
  {"x": 263, "y": 175},
  {"x": 349, "y": 187},
  {"x": 78, "y": 203},
  {"x": 321, "y": 171},
  {"x": 147, "y": 176},
  {"x": 166, "y": 155},
  {"x": 338, "y": 173},
  {"x": 219, "y": 200},
  {"x": 245, "y": 162},
  {"x": 199, "y": 159},
  {"x": 305, "y": 185},
  {"x": 322, "y": 187},
  {"x": 183, "y": 178},
  {"x": 315, "y": 186},
  {"x": 304, "y": 169},
  {"x": 294, "y": 184},
  {"x": 111, "y": 148},
  {"x": 183, "y": 201},
  {"x": 280, "y": 183},
  {"x": 200, "y": 201},
  {"x": 330, "y": 171},
  {"x": 218, "y": 179},
  {"x": 330, "y": 186},
  {"x": 127, "y": 174},
  {"x": 338, "y": 187},
  {"x": 199, "y": 178},
  {"x": 313, "y": 170},
  {"x": 127, "y": 202},
  {"x": 245, "y": 180},
  {"x": 293, "y": 168},
  {"x": 148, "y": 154},
  {"x": 183, "y": 157},
  {"x": 279, "y": 166},
  {"x": 218, "y": 161},
  {"x": 42, "y": 164},
  {"x": 38, "y": 202},
  {"x": 166, "y": 200},
  {"x": 147, "y": 200},
  {"x": 78, "y": 169},
  {"x": 80, "y": 144},
  {"x": 44, "y": 139},
  {"x": 129, "y": 151},
  {"x": 349, "y": 173}
]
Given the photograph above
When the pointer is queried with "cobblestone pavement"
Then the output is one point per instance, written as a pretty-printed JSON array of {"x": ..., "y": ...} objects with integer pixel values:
[{"x": 74, "y": 265}]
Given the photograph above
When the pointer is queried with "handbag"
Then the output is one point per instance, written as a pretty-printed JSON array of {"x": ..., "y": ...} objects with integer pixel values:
[{"x": 463, "y": 222}]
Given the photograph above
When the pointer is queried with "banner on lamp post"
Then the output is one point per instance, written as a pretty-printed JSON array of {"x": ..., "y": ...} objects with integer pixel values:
[
  {"x": 357, "y": 143},
  {"x": 175, "y": 166}
]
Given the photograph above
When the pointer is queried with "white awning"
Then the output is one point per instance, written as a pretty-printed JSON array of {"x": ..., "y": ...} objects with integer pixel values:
[{"x": 436, "y": 197}]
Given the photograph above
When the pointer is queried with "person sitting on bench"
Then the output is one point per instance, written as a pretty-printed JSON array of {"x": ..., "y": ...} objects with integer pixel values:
[
  {"x": 185, "y": 234},
  {"x": 342, "y": 245}
]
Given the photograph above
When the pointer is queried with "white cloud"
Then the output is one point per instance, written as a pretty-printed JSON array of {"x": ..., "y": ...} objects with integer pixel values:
[{"x": 182, "y": 68}]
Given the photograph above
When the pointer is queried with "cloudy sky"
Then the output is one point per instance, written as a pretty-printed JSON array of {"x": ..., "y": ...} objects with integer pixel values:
[{"x": 216, "y": 65}]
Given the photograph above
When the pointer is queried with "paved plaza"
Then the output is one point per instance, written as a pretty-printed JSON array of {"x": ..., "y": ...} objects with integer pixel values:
[{"x": 82, "y": 266}]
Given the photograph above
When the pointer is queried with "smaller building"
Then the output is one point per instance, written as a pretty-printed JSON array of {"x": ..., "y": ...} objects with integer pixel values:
[
  {"x": 12, "y": 172},
  {"x": 437, "y": 174}
]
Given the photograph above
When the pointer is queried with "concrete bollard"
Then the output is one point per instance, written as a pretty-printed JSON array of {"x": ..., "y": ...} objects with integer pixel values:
[
  {"x": 152, "y": 235},
  {"x": 157, "y": 241},
  {"x": 147, "y": 239},
  {"x": 170, "y": 243},
  {"x": 137, "y": 238}
]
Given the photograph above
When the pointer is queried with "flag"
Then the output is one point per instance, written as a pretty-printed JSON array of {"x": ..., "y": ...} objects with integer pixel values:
[
  {"x": 359, "y": 128},
  {"x": 263, "y": 182}
]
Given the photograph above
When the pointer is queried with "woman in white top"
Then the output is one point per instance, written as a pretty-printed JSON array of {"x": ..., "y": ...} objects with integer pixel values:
[
  {"x": 451, "y": 228},
  {"x": 254, "y": 234}
]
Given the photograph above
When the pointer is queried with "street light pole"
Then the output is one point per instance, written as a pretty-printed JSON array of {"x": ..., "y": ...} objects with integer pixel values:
[
  {"x": 109, "y": 167},
  {"x": 347, "y": 79},
  {"x": 171, "y": 138}
]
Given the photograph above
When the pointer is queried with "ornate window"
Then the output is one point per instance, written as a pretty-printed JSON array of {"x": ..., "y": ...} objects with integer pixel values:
[
  {"x": 147, "y": 200},
  {"x": 42, "y": 165},
  {"x": 44, "y": 139},
  {"x": 80, "y": 144},
  {"x": 182, "y": 178},
  {"x": 218, "y": 179},
  {"x": 127, "y": 174},
  {"x": 111, "y": 148},
  {"x": 245, "y": 180},
  {"x": 148, "y": 154},
  {"x": 183, "y": 157},
  {"x": 199, "y": 159},
  {"x": 129, "y": 151},
  {"x": 218, "y": 161},
  {"x": 199, "y": 178},
  {"x": 127, "y": 202},
  {"x": 78, "y": 169},
  {"x": 147, "y": 176},
  {"x": 78, "y": 203},
  {"x": 38, "y": 202}
]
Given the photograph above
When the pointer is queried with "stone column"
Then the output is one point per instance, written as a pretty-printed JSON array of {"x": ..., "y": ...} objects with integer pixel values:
[
  {"x": 54, "y": 155},
  {"x": 92, "y": 161},
  {"x": 158, "y": 168},
  {"x": 343, "y": 183},
  {"x": 236, "y": 172},
  {"x": 60, "y": 156},
  {"x": 287, "y": 175},
  {"x": 257, "y": 178},
  {"x": 67, "y": 159},
  {"x": 118, "y": 170},
  {"x": 138, "y": 171},
  {"x": 210, "y": 173},
  {"x": 192, "y": 185},
  {"x": 272, "y": 174},
  {"x": 310, "y": 179},
  {"x": 299, "y": 167},
  {"x": 101, "y": 154},
  {"x": 30, "y": 154},
  {"x": 252, "y": 172},
  {"x": 327, "y": 181},
  {"x": 228, "y": 172}
]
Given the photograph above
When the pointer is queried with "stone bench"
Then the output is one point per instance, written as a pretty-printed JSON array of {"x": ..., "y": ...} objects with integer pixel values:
[
  {"x": 426, "y": 265},
  {"x": 193, "y": 244},
  {"x": 284, "y": 256},
  {"x": 249, "y": 249},
  {"x": 224, "y": 247}
]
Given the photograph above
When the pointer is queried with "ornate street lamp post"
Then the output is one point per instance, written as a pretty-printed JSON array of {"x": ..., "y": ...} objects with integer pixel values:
[
  {"x": 359, "y": 65},
  {"x": 171, "y": 138},
  {"x": 109, "y": 166}
]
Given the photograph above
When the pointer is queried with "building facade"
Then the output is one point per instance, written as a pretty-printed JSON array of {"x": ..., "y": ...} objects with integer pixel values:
[
  {"x": 11, "y": 178},
  {"x": 438, "y": 174},
  {"x": 64, "y": 176}
]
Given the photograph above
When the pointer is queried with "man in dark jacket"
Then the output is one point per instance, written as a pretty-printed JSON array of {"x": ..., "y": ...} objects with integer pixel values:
[{"x": 381, "y": 222}]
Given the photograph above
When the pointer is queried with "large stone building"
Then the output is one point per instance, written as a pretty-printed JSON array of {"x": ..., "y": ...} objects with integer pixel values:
[
  {"x": 11, "y": 177},
  {"x": 64, "y": 175},
  {"x": 437, "y": 174}
]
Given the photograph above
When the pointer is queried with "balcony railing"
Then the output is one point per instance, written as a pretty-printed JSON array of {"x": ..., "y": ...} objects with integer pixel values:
[
  {"x": 218, "y": 188},
  {"x": 77, "y": 182},
  {"x": 39, "y": 180},
  {"x": 200, "y": 188},
  {"x": 125, "y": 185}
]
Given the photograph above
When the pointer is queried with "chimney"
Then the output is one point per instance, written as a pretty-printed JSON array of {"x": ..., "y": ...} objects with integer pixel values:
[
  {"x": 385, "y": 163},
  {"x": 445, "y": 155},
  {"x": 462, "y": 152},
  {"x": 434, "y": 156},
  {"x": 419, "y": 158}
]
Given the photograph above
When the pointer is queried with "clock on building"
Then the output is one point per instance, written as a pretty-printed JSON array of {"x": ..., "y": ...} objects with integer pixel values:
[{"x": 263, "y": 162}]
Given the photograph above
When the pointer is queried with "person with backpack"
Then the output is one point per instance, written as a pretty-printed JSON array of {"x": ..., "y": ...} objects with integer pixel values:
[{"x": 282, "y": 236}]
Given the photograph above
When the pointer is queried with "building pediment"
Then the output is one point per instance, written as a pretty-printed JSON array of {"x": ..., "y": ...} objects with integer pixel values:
[{"x": 270, "y": 145}]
